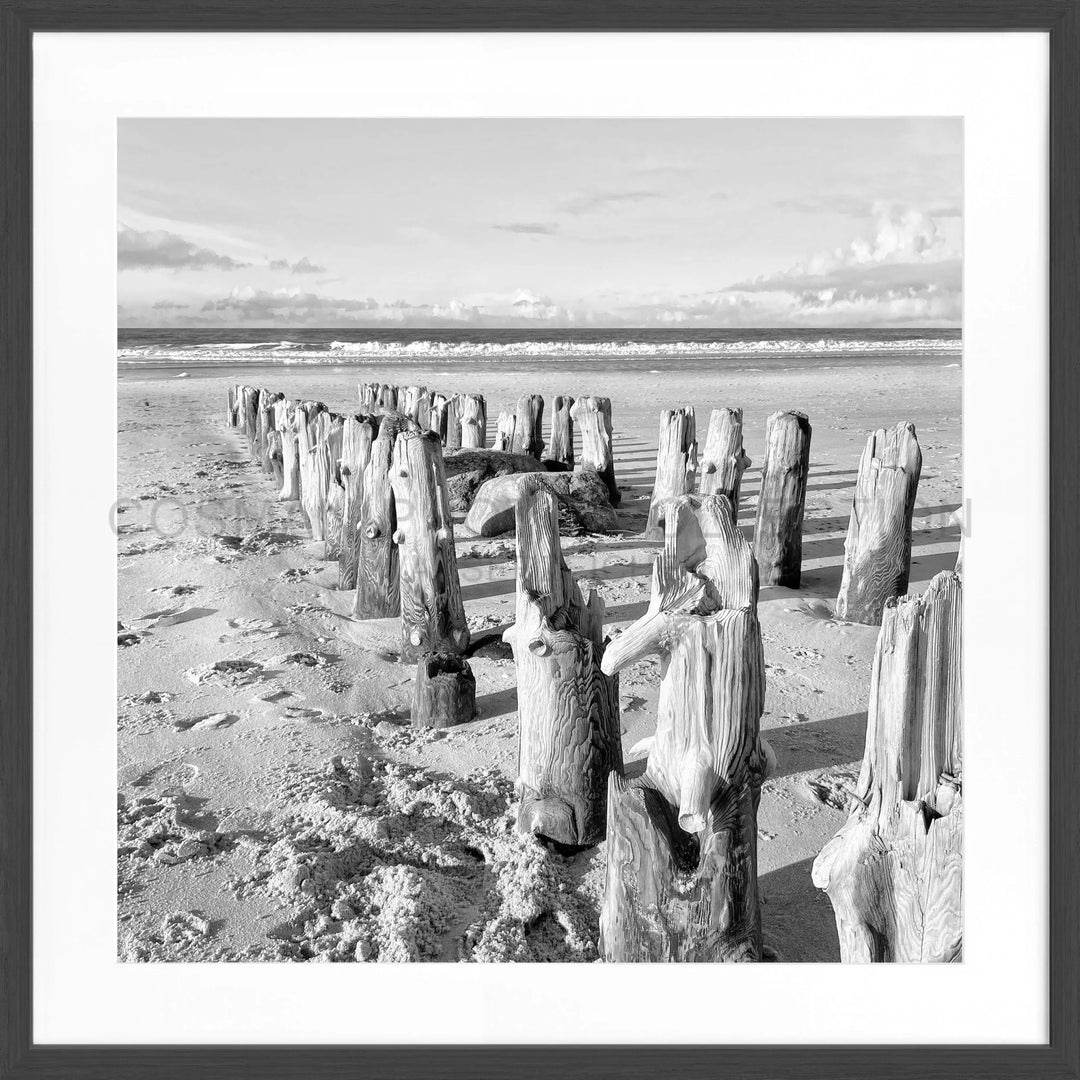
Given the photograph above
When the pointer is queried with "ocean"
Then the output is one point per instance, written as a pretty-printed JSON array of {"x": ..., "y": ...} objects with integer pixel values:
[{"x": 168, "y": 350}]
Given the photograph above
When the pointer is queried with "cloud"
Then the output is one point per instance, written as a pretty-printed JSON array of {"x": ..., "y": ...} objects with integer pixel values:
[
  {"x": 603, "y": 201},
  {"x": 161, "y": 250},
  {"x": 287, "y": 306},
  {"x": 531, "y": 228},
  {"x": 303, "y": 266},
  {"x": 169, "y": 305}
]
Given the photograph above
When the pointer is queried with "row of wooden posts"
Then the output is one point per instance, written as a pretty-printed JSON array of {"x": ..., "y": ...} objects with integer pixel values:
[{"x": 680, "y": 822}]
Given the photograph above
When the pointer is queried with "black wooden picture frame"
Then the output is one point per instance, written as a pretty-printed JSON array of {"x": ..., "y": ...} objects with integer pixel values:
[{"x": 19, "y": 1056}]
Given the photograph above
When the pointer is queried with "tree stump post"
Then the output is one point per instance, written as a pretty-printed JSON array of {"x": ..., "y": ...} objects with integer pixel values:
[
  {"x": 505, "y": 428},
  {"x": 445, "y": 692},
  {"x": 676, "y": 466},
  {"x": 335, "y": 491},
  {"x": 894, "y": 871},
  {"x": 681, "y": 880},
  {"x": 782, "y": 499},
  {"x": 569, "y": 708},
  {"x": 561, "y": 446},
  {"x": 472, "y": 411},
  {"x": 290, "y": 467},
  {"x": 593, "y": 417},
  {"x": 432, "y": 613},
  {"x": 356, "y": 442},
  {"x": 250, "y": 412},
  {"x": 724, "y": 460},
  {"x": 877, "y": 551},
  {"x": 377, "y": 581},
  {"x": 528, "y": 426},
  {"x": 440, "y": 406},
  {"x": 267, "y": 402},
  {"x": 232, "y": 412},
  {"x": 369, "y": 397},
  {"x": 412, "y": 401},
  {"x": 276, "y": 456},
  {"x": 453, "y": 423}
]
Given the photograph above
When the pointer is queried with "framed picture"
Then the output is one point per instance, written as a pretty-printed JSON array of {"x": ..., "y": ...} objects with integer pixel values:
[{"x": 578, "y": 492}]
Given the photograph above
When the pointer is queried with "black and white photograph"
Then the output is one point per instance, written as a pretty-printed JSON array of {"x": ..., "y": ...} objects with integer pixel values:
[{"x": 539, "y": 540}]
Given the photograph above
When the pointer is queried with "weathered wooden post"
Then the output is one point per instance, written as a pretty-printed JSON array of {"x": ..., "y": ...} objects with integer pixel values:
[
  {"x": 453, "y": 423},
  {"x": 681, "y": 878},
  {"x": 369, "y": 397},
  {"x": 569, "y": 709},
  {"x": 877, "y": 551},
  {"x": 267, "y": 401},
  {"x": 724, "y": 460},
  {"x": 335, "y": 491},
  {"x": 438, "y": 414},
  {"x": 275, "y": 455},
  {"x": 412, "y": 401},
  {"x": 232, "y": 410},
  {"x": 505, "y": 428},
  {"x": 290, "y": 466},
  {"x": 377, "y": 587},
  {"x": 782, "y": 499},
  {"x": 472, "y": 411},
  {"x": 445, "y": 692},
  {"x": 388, "y": 397},
  {"x": 561, "y": 446},
  {"x": 528, "y": 426},
  {"x": 250, "y": 412},
  {"x": 676, "y": 466},
  {"x": 593, "y": 416},
  {"x": 894, "y": 872},
  {"x": 432, "y": 614},
  {"x": 359, "y": 433}
]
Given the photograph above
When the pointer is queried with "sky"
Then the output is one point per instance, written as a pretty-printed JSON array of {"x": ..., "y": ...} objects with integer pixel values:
[{"x": 539, "y": 222}]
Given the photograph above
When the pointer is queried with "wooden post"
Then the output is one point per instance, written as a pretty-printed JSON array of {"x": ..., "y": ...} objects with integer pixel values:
[
  {"x": 251, "y": 416},
  {"x": 356, "y": 442},
  {"x": 505, "y": 429},
  {"x": 593, "y": 416},
  {"x": 561, "y": 446},
  {"x": 782, "y": 498},
  {"x": 877, "y": 551},
  {"x": 275, "y": 455},
  {"x": 453, "y": 423},
  {"x": 267, "y": 401},
  {"x": 369, "y": 397},
  {"x": 377, "y": 589},
  {"x": 569, "y": 709},
  {"x": 724, "y": 460},
  {"x": 438, "y": 413},
  {"x": 894, "y": 872},
  {"x": 528, "y": 425},
  {"x": 432, "y": 614},
  {"x": 445, "y": 692},
  {"x": 681, "y": 878},
  {"x": 676, "y": 466},
  {"x": 290, "y": 467},
  {"x": 413, "y": 402},
  {"x": 232, "y": 411},
  {"x": 335, "y": 491},
  {"x": 472, "y": 410},
  {"x": 388, "y": 397}
]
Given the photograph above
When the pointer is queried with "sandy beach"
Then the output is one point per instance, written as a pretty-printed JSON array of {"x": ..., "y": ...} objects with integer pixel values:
[{"x": 282, "y": 808}]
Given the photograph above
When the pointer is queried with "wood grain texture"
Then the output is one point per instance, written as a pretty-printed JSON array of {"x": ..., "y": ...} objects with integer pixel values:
[
  {"x": 388, "y": 397},
  {"x": 452, "y": 439},
  {"x": 894, "y": 872},
  {"x": 569, "y": 709},
  {"x": 432, "y": 613},
  {"x": 528, "y": 426},
  {"x": 877, "y": 551},
  {"x": 378, "y": 593},
  {"x": 472, "y": 412},
  {"x": 439, "y": 408},
  {"x": 444, "y": 693},
  {"x": 593, "y": 418},
  {"x": 724, "y": 459},
  {"x": 676, "y": 466},
  {"x": 560, "y": 446},
  {"x": 505, "y": 431},
  {"x": 706, "y": 762},
  {"x": 358, "y": 435},
  {"x": 782, "y": 499}
]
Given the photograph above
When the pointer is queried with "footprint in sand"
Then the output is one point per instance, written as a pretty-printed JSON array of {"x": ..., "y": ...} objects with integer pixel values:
[
  {"x": 175, "y": 616},
  {"x": 226, "y": 673},
  {"x": 175, "y": 590},
  {"x": 251, "y": 630},
  {"x": 204, "y": 723},
  {"x": 307, "y": 659}
]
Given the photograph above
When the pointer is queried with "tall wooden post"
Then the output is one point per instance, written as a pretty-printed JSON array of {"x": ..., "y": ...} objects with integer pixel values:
[
  {"x": 676, "y": 466},
  {"x": 439, "y": 408},
  {"x": 412, "y": 402},
  {"x": 356, "y": 443},
  {"x": 560, "y": 448},
  {"x": 377, "y": 587},
  {"x": 782, "y": 499},
  {"x": 290, "y": 467},
  {"x": 569, "y": 735},
  {"x": 472, "y": 411},
  {"x": 250, "y": 411},
  {"x": 388, "y": 397},
  {"x": 593, "y": 417},
  {"x": 335, "y": 491},
  {"x": 453, "y": 423},
  {"x": 505, "y": 428},
  {"x": 877, "y": 551},
  {"x": 432, "y": 614},
  {"x": 894, "y": 872},
  {"x": 724, "y": 460},
  {"x": 232, "y": 411},
  {"x": 528, "y": 425},
  {"x": 682, "y": 833}
]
